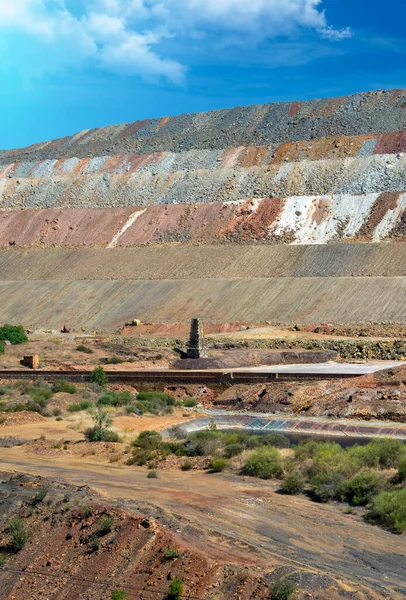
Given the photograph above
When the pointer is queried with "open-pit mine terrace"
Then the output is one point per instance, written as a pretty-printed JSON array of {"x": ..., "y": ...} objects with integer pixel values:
[{"x": 288, "y": 213}]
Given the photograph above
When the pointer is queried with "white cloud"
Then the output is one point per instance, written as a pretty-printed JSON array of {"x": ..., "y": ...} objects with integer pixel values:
[
  {"x": 125, "y": 36},
  {"x": 335, "y": 35}
]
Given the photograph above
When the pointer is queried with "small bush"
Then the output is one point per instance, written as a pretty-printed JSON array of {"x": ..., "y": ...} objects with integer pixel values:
[
  {"x": 15, "y": 334},
  {"x": 175, "y": 589},
  {"x": 383, "y": 453},
  {"x": 187, "y": 465},
  {"x": 39, "y": 393},
  {"x": 293, "y": 484},
  {"x": 87, "y": 512},
  {"x": 264, "y": 463},
  {"x": 360, "y": 490},
  {"x": 94, "y": 434},
  {"x": 277, "y": 440},
  {"x": 326, "y": 485},
  {"x": 155, "y": 403},
  {"x": 60, "y": 385},
  {"x": 389, "y": 509},
  {"x": 190, "y": 402},
  {"x": 79, "y": 406},
  {"x": 94, "y": 543},
  {"x": 402, "y": 470},
  {"x": 114, "y": 360},
  {"x": 118, "y": 595},
  {"x": 40, "y": 495},
  {"x": 17, "y": 533},
  {"x": 105, "y": 524},
  {"x": 3, "y": 558},
  {"x": 99, "y": 377},
  {"x": 84, "y": 349},
  {"x": 282, "y": 590},
  {"x": 218, "y": 464},
  {"x": 152, "y": 474},
  {"x": 115, "y": 399},
  {"x": 172, "y": 553},
  {"x": 233, "y": 450},
  {"x": 148, "y": 440}
]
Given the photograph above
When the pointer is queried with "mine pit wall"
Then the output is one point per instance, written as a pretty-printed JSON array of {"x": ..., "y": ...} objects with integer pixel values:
[
  {"x": 266, "y": 124},
  {"x": 254, "y": 214}
]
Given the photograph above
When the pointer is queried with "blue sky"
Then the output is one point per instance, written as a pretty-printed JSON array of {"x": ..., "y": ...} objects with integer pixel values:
[{"x": 68, "y": 65}]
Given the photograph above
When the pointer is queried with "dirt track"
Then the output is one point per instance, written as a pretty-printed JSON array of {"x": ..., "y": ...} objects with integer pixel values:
[{"x": 244, "y": 520}]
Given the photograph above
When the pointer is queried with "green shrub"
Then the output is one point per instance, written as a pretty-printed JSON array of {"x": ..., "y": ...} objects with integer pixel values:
[
  {"x": 148, "y": 440},
  {"x": 94, "y": 543},
  {"x": 190, "y": 402},
  {"x": 154, "y": 403},
  {"x": 152, "y": 474},
  {"x": 146, "y": 396},
  {"x": 233, "y": 450},
  {"x": 172, "y": 553},
  {"x": 383, "y": 453},
  {"x": 175, "y": 589},
  {"x": 118, "y": 595},
  {"x": 389, "y": 509},
  {"x": 79, "y": 406},
  {"x": 402, "y": 470},
  {"x": 87, "y": 512},
  {"x": 18, "y": 535},
  {"x": 84, "y": 349},
  {"x": 60, "y": 385},
  {"x": 326, "y": 484},
  {"x": 293, "y": 484},
  {"x": 277, "y": 440},
  {"x": 94, "y": 434},
  {"x": 39, "y": 393},
  {"x": 115, "y": 399},
  {"x": 360, "y": 490},
  {"x": 218, "y": 464},
  {"x": 40, "y": 495},
  {"x": 3, "y": 558},
  {"x": 282, "y": 590},
  {"x": 264, "y": 463},
  {"x": 2, "y": 347},
  {"x": 105, "y": 524},
  {"x": 99, "y": 377},
  {"x": 187, "y": 465},
  {"x": 114, "y": 360},
  {"x": 15, "y": 334}
]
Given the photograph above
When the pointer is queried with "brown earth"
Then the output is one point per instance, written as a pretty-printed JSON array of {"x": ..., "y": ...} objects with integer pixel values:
[{"x": 225, "y": 522}]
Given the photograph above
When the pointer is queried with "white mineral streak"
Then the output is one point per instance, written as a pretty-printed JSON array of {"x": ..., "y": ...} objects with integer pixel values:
[{"x": 130, "y": 221}]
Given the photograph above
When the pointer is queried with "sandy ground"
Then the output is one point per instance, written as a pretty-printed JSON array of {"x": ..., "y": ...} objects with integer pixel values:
[{"x": 246, "y": 521}]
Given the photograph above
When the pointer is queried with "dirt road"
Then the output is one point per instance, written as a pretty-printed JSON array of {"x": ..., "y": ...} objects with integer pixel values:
[{"x": 245, "y": 521}]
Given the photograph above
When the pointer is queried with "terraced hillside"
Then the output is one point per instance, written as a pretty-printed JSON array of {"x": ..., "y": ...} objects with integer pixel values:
[{"x": 289, "y": 213}]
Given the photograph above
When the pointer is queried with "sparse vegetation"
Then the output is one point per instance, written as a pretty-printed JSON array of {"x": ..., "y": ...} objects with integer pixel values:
[
  {"x": 102, "y": 421},
  {"x": 171, "y": 553},
  {"x": 79, "y": 406},
  {"x": 84, "y": 349},
  {"x": 282, "y": 590},
  {"x": 187, "y": 465},
  {"x": 118, "y": 595},
  {"x": 60, "y": 385},
  {"x": 105, "y": 524},
  {"x": 15, "y": 334},
  {"x": 17, "y": 534},
  {"x": 40, "y": 495},
  {"x": 94, "y": 543},
  {"x": 152, "y": 474},
  {"x": 115, "y": 399}
]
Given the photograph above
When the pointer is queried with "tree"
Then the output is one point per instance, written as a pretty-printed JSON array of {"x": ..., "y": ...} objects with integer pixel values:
[
  {"x": 102, "y": 421},
  {"x": 99, "y": 376},
  {"x": 176, "y": 589}
]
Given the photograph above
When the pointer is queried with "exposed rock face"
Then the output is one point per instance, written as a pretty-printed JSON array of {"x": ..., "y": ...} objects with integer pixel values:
[{"x": 196, "y": 188}]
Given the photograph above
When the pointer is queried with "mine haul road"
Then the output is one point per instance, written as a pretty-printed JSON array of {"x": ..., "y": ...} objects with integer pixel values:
[{"x": 243, "y": 520}]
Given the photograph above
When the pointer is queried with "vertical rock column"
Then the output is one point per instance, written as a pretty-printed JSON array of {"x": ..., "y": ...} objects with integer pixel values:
[{"x": 196, "y": 348}]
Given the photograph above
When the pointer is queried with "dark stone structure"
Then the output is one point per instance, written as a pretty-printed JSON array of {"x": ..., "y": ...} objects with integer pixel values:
[{"x": 196, "y": 347}]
